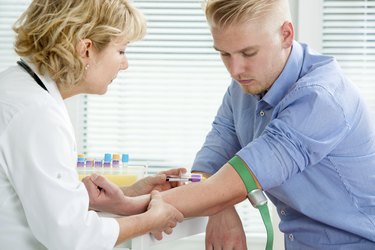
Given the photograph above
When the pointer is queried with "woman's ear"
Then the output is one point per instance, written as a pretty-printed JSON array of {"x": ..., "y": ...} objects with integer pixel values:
[{"x": 84, "y": 48}]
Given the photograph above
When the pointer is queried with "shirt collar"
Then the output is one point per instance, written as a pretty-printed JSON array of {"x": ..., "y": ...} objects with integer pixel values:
[{"x": 288, "y": 76}]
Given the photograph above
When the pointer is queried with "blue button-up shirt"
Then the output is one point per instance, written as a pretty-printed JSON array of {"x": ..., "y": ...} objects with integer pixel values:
[{"x": 311, "y": 145}]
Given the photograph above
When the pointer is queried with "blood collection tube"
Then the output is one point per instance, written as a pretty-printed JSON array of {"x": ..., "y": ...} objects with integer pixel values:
[
  {"x": 107, "y": 160},
  {"x": 89, "y": 163},
  {"x": 80, "y": 161},
  {"x": 185, "y": 178},
  {"x": 124, "y": 160},
  {"x": 98, "y": 163},
  {"x": 116, "y": 160}
]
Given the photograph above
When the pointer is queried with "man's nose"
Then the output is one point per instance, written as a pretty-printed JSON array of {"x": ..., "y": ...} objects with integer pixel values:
[{"x": 236, "y": 66}]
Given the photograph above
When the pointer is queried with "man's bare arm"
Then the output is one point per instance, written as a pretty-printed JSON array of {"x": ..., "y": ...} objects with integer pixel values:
[{"x": 221, "y": 190}]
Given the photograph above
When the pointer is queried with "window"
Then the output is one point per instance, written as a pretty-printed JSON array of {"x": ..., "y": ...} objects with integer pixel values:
[
  {"x": 9, "y": 11},
  {"x": 346, "y": 30},
  {"x": 349, "y": 35},
  {"x": 161, "y": 108}
]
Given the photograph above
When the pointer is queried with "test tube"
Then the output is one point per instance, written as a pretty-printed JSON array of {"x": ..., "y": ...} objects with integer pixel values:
[
  {"x": 116, "y": 160},
  {"x": 98, "y": 163},
  {"x": 185, "y": 178},
  {"x": 80, "y": 161},
  {"x": 107, "y": 160},
  {"x": 89, "y": 163},
  {"x": 124, "y": 160}
]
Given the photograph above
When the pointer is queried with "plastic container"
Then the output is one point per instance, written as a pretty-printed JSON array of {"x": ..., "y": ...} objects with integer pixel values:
[{"x": 123, "y": 175}]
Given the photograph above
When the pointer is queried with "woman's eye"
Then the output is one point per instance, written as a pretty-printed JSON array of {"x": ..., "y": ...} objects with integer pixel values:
[{"x": 122, "y": 52}]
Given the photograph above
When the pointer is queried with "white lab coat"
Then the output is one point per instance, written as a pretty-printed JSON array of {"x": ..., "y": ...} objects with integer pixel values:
[{"x": 42, "y": 203}]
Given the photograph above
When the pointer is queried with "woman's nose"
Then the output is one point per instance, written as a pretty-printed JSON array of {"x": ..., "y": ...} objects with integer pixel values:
[{"x": 124, "y": 64}]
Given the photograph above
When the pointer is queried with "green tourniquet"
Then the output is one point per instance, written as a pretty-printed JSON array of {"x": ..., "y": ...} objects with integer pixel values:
[
  {"x": 243, "y": 171},
  {"x": 268, "y": 224}
]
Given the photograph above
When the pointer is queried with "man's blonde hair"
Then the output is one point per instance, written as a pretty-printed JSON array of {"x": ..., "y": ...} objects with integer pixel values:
[
  {"x": 49, "y": 30},
  {"x": 223, "y": 13}
]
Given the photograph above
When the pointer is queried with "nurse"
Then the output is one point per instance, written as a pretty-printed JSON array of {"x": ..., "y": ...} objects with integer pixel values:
[{"x": 67, "y": 48}]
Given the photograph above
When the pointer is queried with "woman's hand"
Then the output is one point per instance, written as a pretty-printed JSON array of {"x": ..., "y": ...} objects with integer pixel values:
[
  {"x": 164, "y": 216},
  {"x": 157, "y": 182},
  {"x": 107, "y": 197}
]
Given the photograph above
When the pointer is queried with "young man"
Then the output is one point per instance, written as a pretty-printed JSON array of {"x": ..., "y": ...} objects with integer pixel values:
[{"x": 297, "y": 123}]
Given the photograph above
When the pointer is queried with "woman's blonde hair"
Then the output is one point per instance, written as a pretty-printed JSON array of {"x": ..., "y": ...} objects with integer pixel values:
[
  {"x": 49, "y": 30},
  {"x": 223, "y": 13}
]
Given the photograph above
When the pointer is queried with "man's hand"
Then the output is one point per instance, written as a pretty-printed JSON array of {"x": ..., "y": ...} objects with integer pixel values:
[
  {"x": 225, "y": 231},
  {"x": 107, "y": 197},
  {"x": 164, "y": 216},
  {"x": 157, "y": 182}
]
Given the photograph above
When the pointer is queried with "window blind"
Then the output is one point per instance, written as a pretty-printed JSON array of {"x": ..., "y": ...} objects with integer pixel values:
[
  {"x": 9, "y": 11},
  {"x": 349, "y": 35},
  {"x": 161, "y": 107}
]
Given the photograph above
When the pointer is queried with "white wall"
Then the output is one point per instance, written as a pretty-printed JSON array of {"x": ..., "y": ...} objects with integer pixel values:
[{"x": 309, "y": 27}]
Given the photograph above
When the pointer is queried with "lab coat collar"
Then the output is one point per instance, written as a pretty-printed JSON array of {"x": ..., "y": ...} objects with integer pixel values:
[{"x": 48, "y": 82}]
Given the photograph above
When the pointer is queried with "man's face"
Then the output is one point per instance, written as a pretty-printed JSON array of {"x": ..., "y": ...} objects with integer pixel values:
[{"x": 253, "y": 53}]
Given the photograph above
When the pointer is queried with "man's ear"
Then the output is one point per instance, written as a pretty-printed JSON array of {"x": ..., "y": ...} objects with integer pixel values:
[
  {"x": 287, "y": 33},
  {"x": 83, "y": 48}
]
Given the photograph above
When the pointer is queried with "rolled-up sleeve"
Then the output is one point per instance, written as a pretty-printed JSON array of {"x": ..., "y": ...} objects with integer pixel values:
[{"x": 306, "y": 126}]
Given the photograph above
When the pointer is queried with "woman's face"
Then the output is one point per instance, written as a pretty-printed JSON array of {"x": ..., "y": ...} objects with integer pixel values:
[{"x": 103, "y": 67}]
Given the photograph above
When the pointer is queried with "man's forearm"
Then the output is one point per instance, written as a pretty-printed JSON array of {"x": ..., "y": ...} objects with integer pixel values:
[
  {"x": 132, "y": 226},
  {"x": 133, "y": 205},
  {"x": 128, "y": 191},
  {"x": 223, "y": 189}
]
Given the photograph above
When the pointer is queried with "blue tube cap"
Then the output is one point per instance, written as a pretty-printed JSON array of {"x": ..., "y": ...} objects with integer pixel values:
[{"x": 125, "y": 158}]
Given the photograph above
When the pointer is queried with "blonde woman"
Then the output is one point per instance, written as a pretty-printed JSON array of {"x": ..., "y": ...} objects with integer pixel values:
[{"x": 67, "y": 48}]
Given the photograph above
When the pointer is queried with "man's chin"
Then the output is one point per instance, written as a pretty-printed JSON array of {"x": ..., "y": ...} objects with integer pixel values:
[{"x": 248, "y": 90}]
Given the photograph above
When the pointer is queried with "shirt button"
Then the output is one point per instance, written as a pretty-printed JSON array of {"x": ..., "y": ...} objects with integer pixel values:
[
  {"x": 282, "y": 212},
  {"x": 261, "y": 113},
  {"x": 291, "y": 237}
]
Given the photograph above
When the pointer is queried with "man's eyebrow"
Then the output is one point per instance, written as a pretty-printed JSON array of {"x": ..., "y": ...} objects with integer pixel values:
[{"x": 240, "y": 51}]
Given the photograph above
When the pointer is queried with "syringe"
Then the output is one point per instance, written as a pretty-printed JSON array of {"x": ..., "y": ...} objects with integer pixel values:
[{"x": 185, "y": 178}]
